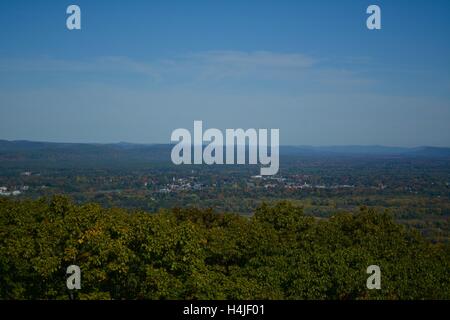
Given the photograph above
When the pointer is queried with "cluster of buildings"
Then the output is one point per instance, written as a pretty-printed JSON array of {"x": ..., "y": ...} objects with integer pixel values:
[
  {"x": 282, "y": 182},
  {"x": 319, "y": 186},
  {"x": 181, "y": 184},
  {"x": 4, "y": 192}
]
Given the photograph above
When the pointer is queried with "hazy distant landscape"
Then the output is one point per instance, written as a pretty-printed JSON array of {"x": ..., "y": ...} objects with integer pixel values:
[{"x": 411, "y": 183}]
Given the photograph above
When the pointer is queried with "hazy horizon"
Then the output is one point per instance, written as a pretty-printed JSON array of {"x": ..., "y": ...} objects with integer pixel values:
[{"x": 281, "y": 145}]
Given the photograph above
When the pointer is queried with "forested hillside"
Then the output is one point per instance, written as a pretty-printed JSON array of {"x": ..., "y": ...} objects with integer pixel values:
[{"x": 277, "y": 253}]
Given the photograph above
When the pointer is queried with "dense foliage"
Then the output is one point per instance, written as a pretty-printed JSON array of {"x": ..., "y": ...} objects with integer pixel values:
[{"x": 277, "y": 253}]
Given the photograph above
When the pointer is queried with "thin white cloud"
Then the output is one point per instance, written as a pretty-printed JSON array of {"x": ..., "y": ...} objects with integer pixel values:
[
  {"x": 287, "y": 71},
  {"x": 227, "y": 59},
  {"x": 263, "y": 59}
]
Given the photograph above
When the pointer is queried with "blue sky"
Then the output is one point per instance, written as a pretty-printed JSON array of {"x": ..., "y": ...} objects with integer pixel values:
[{"x": 140, "y": 69}]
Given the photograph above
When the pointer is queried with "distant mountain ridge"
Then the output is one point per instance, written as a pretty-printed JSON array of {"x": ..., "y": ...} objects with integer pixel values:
[
  {"x": 85, "y": 154},
  {"x": 370, "y": 150}
]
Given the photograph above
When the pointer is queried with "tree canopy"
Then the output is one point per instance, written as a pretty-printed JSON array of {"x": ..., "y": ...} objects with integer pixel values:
[{"x": 188, "y": 253}]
